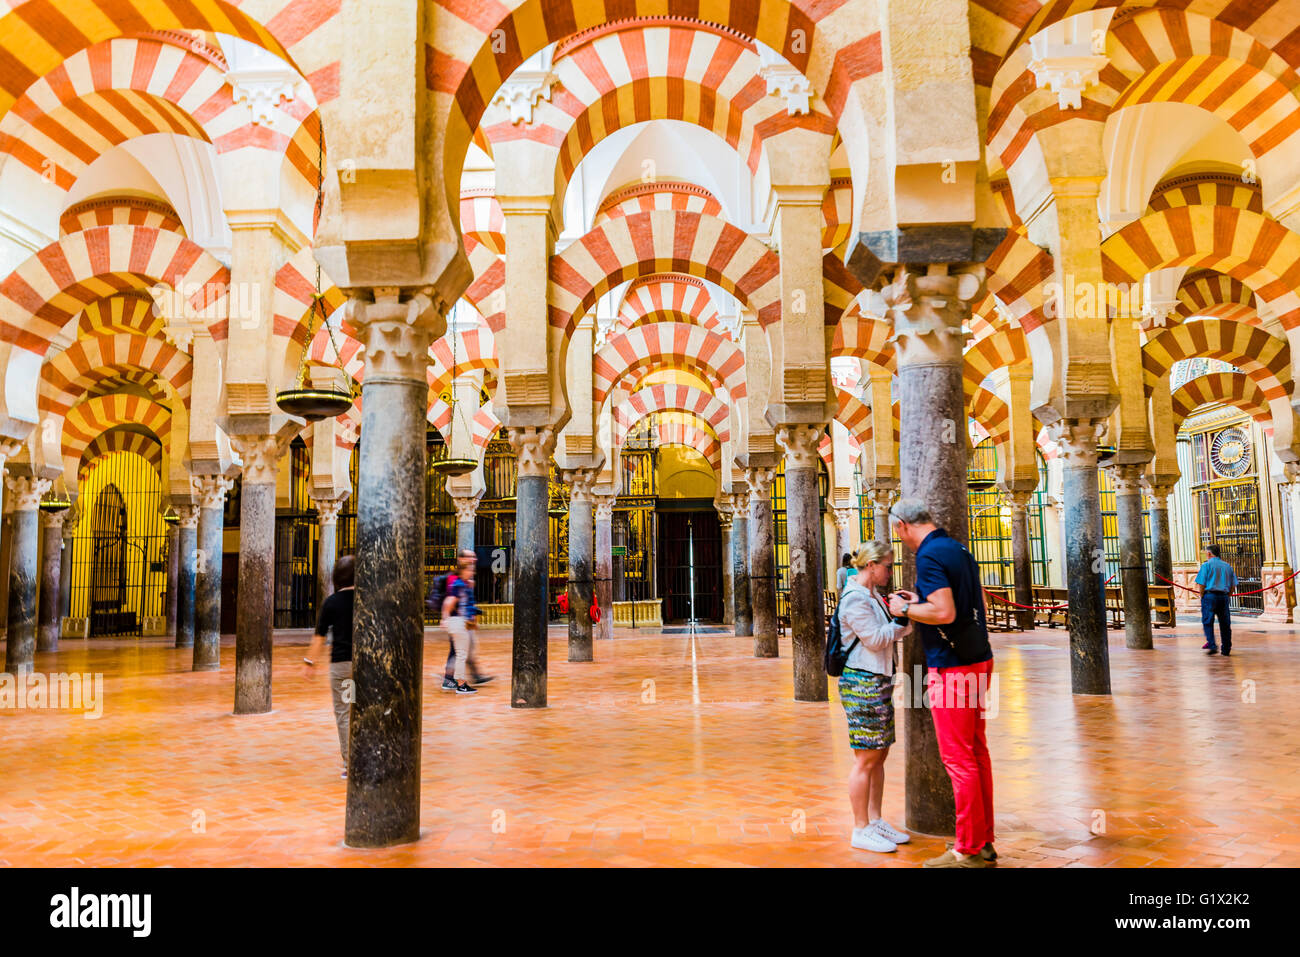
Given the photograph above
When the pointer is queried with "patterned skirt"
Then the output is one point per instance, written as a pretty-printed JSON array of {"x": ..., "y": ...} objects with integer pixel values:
[{"x": 868, "y": 703}]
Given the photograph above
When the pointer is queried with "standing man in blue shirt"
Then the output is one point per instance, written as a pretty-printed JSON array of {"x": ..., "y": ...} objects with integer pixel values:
[{"x": 1217, "y": 580}]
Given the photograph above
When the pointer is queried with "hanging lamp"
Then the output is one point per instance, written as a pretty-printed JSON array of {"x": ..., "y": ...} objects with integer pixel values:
[
  {"x": 56, "y": 499},
  {"x": 451, "y": 465},
  {"x": 170, "y": 516},
  {"x": 314, "y": 403}
]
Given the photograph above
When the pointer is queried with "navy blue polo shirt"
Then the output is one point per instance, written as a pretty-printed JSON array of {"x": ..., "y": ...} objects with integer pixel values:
[{"x": 942, "y": 562}]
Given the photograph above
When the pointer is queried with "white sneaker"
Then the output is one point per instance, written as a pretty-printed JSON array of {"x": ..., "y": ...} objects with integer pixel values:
[
  {"x": 889, "y": 832},
  {"x": 869, "y": 839}
]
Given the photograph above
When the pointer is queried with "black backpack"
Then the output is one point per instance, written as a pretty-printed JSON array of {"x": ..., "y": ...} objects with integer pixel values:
[
  {"x": 836, "y": 654},
  {"x": 437, "y": 593}
]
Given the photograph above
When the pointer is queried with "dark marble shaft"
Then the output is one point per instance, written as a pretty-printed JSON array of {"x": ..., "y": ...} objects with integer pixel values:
[
  {"x": 187, "y": 542},
  {"x": 532, "y": 546},
  {"x": 807, "y": 614},
  {"x": 1085, "y": 572},
  {"x": 207, "y": 590},
  {"x": 47, "y": 626},
  {"x": 762, "y": 579},
  {"x": 728, "y": 598},
  {"x": 173, "y": 574},
  {"x": 1133, "y": 569},
  {"x": 604, "y": 545},
  {"x": 20, "y": 648},
  {"x": 581, "y": 591},
  {"x": 1162, "y": 552},
  {"x": 255, "y": 613},
  {"x": 743, "y": 609},
  {"x": 326, "y": 555},
  {"x": 1022, "y": 566}
]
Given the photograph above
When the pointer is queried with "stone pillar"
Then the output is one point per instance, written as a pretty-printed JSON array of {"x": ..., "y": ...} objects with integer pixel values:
[
  {"x": 466, "y": 512},
  {"x": 255, "y": 610},
  {"x": 383, "y": 804},
  {"x": 1162, "y": 550},
  {"x": 533, "y": 446},
  {"x": 844, "y": 516},
  {"x": 742, "y": 605},
  {"x": 803, "y": 524},
  {"x": 603, "y": 512},
  {"x": 1132, "y": 556},
  {"x": 6, "y": 552},
  {"x": 71, "y": 517},
  {"x": 173, "y": 580},
  {"x": 327, "y": 515},
  {"x": 880, "y": 499},
  {"x": 20, "y": 647},
  {"x": 1022, "y": 562},
  {"x": 211, "y": 490},
  {"x": 762, "y": 561},
  {"x": 928, "y": 313},
  {"x": 724, "y": 528},
  {"x": 47, "y": 633},
  {"x": 187, "y": 551},
  {"x": 1085, "y": 567},
  {"x": 581, "y": 589}
]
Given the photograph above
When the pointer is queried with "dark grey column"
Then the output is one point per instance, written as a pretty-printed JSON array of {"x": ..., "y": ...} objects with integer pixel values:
[
  {"x": 603, "y": 536},
  {"x": 70, "y": 519},
  {"x": 740, "y": 591},
  {"x": 173, "y": 578},
  {"x": 1132, "y": 556},
  {"x": 533, "y": 446},
  {"x": 1022, "y": 558},
  {"x": 728, "y": 599},
  {"x": 211, "y": 490},
  {"x": 880, "y": 499},
  {"x": 803, "y": 530},
  {"x": 6, "y": 550},
  {"x": 1162, "y": 552},
  {"x": 187, "y": 545},
  {"x": 20, "y": 647},
  {"x": 383, "y": 806},
  {"x": 929, "y": 311},
  {"x": 762, "y": 562},
  {"x": 327, "y": 517},
  {"x": 581, "y": 591},
  {"x": 47, "y": 626},
  {"x": 1085, "y": 565},
  {"x": 255, "y": 608}
]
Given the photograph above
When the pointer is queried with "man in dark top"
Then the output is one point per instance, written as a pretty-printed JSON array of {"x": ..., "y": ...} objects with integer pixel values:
[
  {"x": 948, "y": 607},
  {"x": 336, "y": 619}
]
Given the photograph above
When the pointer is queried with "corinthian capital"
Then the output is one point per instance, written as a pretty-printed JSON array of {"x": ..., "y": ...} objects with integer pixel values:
[
  {"x": 580, "y": 482},
  {"x": 466, "y": 507},
  {"x": 1127, "y": 479},
  {"x": 397, "y": 332},
  {"x": 604, "y": 507},
  {"x": 9, "y": 448},
  {"x": 533, "y": 445},
  {"x": 26, "y": 491},
  {"x": 187, "y": 516},
  {"x": 928, "y": 312},
  {"x": 327, "y": 510},
  {"x": 800, "y": 444},
  {"x": 1077, "y": 440},
  {"x": 211, "y": 489},
  {"x": 843, "y": 518},
  {"x": 759, "y": 481},
  {"x": 261, "y": 456}
]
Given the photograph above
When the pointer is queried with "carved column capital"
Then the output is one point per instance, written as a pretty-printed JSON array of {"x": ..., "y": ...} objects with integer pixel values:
[
  {"x": 52, "y": 519},
  {"x": 1127, "y": 479},
  {"x": 740, "y": 503},
  {"x": 396, "y": 332},
  {"x": 604, "y": 507},
  {"x": 843, "y": 518},
  {"x": 9, "y": 448},
  {"x": 327, "y": 510},
  {"x": 261, "y": 457},
  {"x": 187, "y": 516},
  {"x": 26, "y": 491},
  {"x": 580, "y": 482},
  {"x": 466, "y": 507},
  {"x": 533, "y": 446},
  {"x": 70, "y": 519},
  {"x": 800, "y": 444},
  {"x": 759, "y": 481},
  {"x": 211, "y": 489},
  {"x": 882, "y": 496},
  {"x": 1019, "y": 499},
  {"x": 928, "y": 312},
  {"x": 1077, "y": 440}
]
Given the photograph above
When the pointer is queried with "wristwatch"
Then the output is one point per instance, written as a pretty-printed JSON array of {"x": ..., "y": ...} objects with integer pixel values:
[{"x": 903, "y": 619}]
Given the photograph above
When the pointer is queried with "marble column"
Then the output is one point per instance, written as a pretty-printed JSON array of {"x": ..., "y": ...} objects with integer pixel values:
[
  {"x": 1162, "y": 549},
  {"x": 187, "y": 552},
  {"x": 173, "y": 579},
  {"x": 1085, "y": 556},
  {"x": 211, "y": 491},
  {"x": 1022, "y": 558},
  {"x": 20, "y": 647},
  {"x": 928, "y": 312},
  {"x": 880, "y": 501},
  {"x": 47, "y": 625},
  {"x": 383, "y": 804},
  {"x": 603, "y": 515},
  {"x": 255, "y": 608},
  {"x": 843, "y": 537},
  {"x": 742, "y": 605},
  {"x": 466, "y": 512},
  {"x": 533, "y": 446},
  {"x": 762, "y": 561},
  {"x": 1132, "y": 556},
  {"x": 803, "y": 526},
  {"x": 6, "y": 551},
  {"x": 327, "y": 517},
  {"x": 724, "y": 529},
  {"x": 581, "y": 534},
  {"x": 71, "y": 517}
]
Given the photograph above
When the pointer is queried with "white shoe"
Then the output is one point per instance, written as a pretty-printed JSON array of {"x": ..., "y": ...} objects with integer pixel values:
[
  {"x": 869, "y": 839},
  {"x": 889, "y": 832}
]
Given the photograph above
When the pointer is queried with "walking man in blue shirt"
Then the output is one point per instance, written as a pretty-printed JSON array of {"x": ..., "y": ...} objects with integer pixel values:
[{"x": 1216, "y": 579}]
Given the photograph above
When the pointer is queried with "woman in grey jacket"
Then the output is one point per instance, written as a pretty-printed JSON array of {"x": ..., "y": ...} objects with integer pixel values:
[{"x": 866, "y": 691}]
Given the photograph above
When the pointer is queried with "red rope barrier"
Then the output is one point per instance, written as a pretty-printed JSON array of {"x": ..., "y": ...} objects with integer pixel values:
[
  {"x": 1237, "y": 594},
  {"x": 1015, "y": 604}
]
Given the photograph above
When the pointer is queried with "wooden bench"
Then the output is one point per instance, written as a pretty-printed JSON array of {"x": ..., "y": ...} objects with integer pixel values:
[
  {"x": 1163, "y": 614},
  {"x": 1001, "y": 616},
  {"x": 1115, "y": 607},
  {"x": 782, "y": 612},
  {"x": 1045, "y": 600}
]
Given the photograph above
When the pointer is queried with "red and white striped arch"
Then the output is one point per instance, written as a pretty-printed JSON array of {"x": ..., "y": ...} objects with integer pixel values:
[
  {"x": 1262, "y": 356},
  {"x": 998, "y": 350},
  {"x": 669, "y": 194},
  {"x": 692, "y": 436},
  {"x": 125, "y": 312},
  {"x": 477, "y": 349},
  {"x": 47, "y": 290},
  {"x": 115, "y": 442},
  {"x": 668, "y": 298},
  {"x": 657, "y": 242},
  {"x": 663, "y": 345},
  {"x": 482, "y": 219},
  {"x": 120, "y": 211},
  {"x": 863, "y": 336},
  {"x": 295, "y": 297},
  {"x": 1208, "y": 293},
  {"x": 89, "y": 419},
  {"x": 1228, "y": 388},
  {"x": 671, "y": 398},
  {"x": 80, "y": 367},
  {"x": 483, "y": 429}
]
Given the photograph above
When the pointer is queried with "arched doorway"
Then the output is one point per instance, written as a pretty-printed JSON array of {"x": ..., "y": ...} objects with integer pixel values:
[{"x": 108, "y": 613}]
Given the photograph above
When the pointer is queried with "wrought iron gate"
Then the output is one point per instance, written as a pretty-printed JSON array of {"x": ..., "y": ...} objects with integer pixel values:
[{"x": 1228, "y": 516}]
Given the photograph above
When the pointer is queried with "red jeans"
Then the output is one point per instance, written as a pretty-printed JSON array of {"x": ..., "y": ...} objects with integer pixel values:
[{"x": 957, "y": 697}]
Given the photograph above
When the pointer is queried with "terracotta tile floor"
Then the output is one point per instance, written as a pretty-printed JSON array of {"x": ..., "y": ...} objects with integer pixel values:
[{"x": 720, "y": 768}]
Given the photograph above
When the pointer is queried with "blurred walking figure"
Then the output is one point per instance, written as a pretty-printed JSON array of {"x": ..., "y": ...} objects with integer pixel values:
[
  {"x": 1217, "y": 580},
  {"x": 335, "y": 622},
  {"x": 844, "y": 573},
  {"x": 449, "y": 683},
  {"x": 460, "y": 616}
]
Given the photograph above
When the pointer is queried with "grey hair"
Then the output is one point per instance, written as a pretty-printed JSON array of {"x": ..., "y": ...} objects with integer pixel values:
[{"x": 912, "y": 511}]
